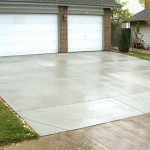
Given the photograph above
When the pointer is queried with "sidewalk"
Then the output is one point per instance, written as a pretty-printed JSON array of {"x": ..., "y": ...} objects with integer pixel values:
[{"x": 128, "y": 134}]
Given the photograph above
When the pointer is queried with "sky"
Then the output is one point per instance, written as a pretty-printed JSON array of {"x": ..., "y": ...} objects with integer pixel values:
[{"x": 134, "y": 6}]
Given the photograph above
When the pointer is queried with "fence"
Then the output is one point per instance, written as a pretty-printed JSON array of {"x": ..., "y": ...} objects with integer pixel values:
[{"x": 116, "y": 36}]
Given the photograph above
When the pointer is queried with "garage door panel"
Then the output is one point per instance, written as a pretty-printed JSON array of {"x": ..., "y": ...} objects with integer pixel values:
[
  {"x": 27, "y": 39},
  {"x": 85, "y": 33},
  {"x": 84, "y": 27},
  {"x": 79, "y": 45},
  {"x": 78, "y": 27},
  {"x": 89, "y": 45},
  {"x": 27, "y": 19},
  {"x": 94, "y": 37},
  {"x": 43, "y": 19},
  {"x": 75, "y": 35},
  {"x": 27, "y": 29},
  {"x": 21, "y": 49},
  {"x": 30, "y": 35}
]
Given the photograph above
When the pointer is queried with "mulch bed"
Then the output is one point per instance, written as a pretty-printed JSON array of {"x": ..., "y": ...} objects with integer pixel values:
[
  {"x": 115, "y": 49},
  {"x": 140, "y": 50}
]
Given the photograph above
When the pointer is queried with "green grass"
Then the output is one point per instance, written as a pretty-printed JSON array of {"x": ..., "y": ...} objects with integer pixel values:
[
  {"x": 11, "y": 128},
  {"x": 135, "y": 54},
  {"x": 139, "y": 55}
]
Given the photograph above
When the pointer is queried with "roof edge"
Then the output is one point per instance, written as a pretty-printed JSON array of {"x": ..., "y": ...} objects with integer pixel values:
[
  {"x": 141, "y": 16},
  {"x": 116, "y": 5}
]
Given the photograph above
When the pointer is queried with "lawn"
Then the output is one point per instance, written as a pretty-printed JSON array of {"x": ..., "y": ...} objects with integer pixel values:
[
  {"x": 139, "y": 55},
  {"x": 12, "y": 129},
  {"x": 135, "y": 54}
]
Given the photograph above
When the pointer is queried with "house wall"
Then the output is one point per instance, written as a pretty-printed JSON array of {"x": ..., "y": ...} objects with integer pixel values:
[
  {"x": 80, "y": 10},
  {"x": 145, "y": 30},
  {"x": 30, "y": 8}
]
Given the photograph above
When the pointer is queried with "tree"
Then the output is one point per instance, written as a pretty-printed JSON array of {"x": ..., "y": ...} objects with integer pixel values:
[
  {"x": 124, "y": 43},
  {"x": 146, "y": 3},
  {"x": 147, "y": 6},
  {"x": 119, "y": 16}
]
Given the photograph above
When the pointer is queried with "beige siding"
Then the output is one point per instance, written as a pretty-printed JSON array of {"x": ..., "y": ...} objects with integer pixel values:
[
  {"x": 145, "y": 30},
  {"x": 85, "y": 11},
  {"x": 27, "y": 8}
]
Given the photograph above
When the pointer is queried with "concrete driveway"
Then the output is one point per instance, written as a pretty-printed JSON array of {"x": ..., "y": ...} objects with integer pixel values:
[{"x": 60, "y": 92}]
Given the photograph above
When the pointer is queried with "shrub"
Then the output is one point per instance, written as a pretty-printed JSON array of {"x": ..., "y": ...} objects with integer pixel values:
[{"x": 124, "y": 43}]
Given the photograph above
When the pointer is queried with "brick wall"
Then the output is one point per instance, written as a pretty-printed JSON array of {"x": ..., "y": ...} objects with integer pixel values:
[
  {"x": 63, "y": 29},
  {"x": 107, "y": 29}
]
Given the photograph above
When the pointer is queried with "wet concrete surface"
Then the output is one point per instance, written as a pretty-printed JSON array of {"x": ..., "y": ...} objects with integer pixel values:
[
  {"x": 60, "y": 92},
  {"x": 128, "y": 134}
]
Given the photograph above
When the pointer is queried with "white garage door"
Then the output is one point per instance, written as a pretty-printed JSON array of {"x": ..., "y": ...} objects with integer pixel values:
[
  {"x": 85, "y": 33},
  {"x": 22, "y": 34}
]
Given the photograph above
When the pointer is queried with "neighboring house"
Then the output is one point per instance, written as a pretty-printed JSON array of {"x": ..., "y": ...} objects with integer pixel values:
[
  {"x": 52, "y": 26},
  {"x": 141, "y": 18}
]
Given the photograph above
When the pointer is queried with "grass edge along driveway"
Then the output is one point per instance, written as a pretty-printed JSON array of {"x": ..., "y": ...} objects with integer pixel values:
[
  {"x": 139, "y": 55},
  {"x": 12, "y": 130}
]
